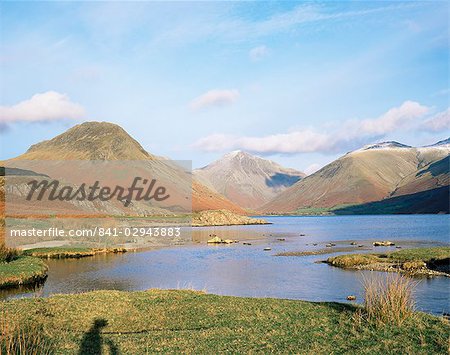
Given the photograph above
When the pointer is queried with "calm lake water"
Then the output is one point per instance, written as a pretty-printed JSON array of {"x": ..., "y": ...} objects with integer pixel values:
[{"x": 248, "y": 270}]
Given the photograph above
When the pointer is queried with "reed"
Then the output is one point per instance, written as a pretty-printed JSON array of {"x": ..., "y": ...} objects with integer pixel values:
[
  {"x": 389, "y": 299},
  {"x": 23, "y": 339}
]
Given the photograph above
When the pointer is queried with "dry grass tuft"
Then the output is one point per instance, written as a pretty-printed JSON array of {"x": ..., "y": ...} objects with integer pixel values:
[
  {"x": 8, "y": 254},
  {"x": 22, "y": 339},
  {"x": 389, "y": 300}
]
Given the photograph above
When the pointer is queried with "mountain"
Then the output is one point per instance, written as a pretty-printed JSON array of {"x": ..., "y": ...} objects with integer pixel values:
[
  {"x": 372, "y": 173},
  {"x": 89, "y": 141},
  {"x": 247, "y": 180},
  {"x": 107, "y": 141}
]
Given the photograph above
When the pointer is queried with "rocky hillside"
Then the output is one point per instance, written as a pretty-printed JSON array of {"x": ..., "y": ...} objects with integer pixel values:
[
  {"x": 203, "y": 198},
  {"x": 247, "y": 180},
  {"x": 372, "y": 173}
]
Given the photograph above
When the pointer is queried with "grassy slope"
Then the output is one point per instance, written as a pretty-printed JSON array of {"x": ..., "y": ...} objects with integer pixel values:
[
  {"x": 192, "y": 322},
  {"x": 21, "y": 271},
  {"x": 429, "y": 177},
  {"x": 430, "y": 201}
]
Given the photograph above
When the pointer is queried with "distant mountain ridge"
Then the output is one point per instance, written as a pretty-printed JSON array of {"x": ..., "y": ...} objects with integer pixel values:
[
  {"x": 383, "y": 145},
  {"x": 247, "y": 180},
  {"x": 443, "y": 143},
  {"x": 372, "y": 173},
  {"x": 391, "y": 173}
]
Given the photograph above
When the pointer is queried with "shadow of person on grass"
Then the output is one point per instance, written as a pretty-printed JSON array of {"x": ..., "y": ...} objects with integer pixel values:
[{"x": 92, "y": 340}]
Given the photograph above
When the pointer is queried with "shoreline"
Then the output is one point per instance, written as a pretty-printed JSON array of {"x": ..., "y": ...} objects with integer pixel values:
[{"x": 70, "y": 252}]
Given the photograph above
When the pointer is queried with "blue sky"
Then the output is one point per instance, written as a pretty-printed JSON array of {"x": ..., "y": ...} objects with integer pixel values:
[{"x": 299, "y": 83}]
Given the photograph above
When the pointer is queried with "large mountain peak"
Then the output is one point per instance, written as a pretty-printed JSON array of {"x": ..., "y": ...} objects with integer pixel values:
[
  {"x": 90, "y": 140},
  {"x": 238, "y": 155}
]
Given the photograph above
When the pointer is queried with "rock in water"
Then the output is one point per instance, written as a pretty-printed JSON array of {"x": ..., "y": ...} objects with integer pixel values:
[
  {"x": 215, "y": 240},
  {"x": 385, "y": 243}
]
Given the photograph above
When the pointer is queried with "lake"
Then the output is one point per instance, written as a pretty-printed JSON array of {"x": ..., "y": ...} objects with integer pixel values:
[{"x": 248, "y": 270}]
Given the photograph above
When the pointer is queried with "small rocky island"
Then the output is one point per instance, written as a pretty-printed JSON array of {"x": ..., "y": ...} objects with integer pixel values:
[
  {"x": 414, "y": 262},
  {"x": 223, "y": 218}
]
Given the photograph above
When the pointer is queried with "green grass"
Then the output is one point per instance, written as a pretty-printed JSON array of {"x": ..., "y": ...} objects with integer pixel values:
[
  {"x": 407, "y": 259},
  {"x": 420, "y": 254},
  {"x": 69, "y": 252},
  {"x": 193, "y": 322},
  {"x": 22, "y": 271}
]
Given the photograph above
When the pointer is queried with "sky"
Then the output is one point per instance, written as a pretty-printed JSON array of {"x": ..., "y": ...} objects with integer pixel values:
[{"x": 300, "y": 83}]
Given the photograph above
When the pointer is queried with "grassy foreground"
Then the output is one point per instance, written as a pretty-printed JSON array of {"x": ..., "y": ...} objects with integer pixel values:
[
  {"x": 419, "y": 260},
  {"x": 194, "y": 322}
]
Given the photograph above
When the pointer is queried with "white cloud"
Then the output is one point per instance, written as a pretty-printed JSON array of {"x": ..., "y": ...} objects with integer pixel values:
[
  {"x": 216, "y": 143},
  {"x": 215, "y": 98},
  {"x": 305, "y": 141},
  {"x": 47, "y": 106},
  {"x": 349, "y": 135},
  {"x": 439, "y": 122},
  {"x": 395, "y": 118},
  {"x": 288, "y": 143},
  {"x": 258, "y": 53},
  {"x": 312, "y": 168}
]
